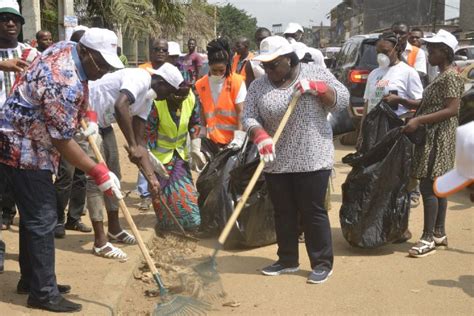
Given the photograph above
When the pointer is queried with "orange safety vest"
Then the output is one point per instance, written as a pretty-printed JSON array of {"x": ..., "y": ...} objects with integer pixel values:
[
  {"x": 235, "y": 63},
  {"x": 221, "y": 119},
  {"x": 411, "y": 59}
]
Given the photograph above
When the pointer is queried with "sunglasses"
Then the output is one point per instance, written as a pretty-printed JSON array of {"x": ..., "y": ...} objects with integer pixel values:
[
  {"x": 5, "y": 18},
  {"x": 160, "y": 50},
  {"x": 272, "y": 64}
]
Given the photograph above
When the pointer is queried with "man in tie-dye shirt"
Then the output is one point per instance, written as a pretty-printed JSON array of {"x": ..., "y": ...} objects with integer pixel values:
[{"x": 37, "y": 123}]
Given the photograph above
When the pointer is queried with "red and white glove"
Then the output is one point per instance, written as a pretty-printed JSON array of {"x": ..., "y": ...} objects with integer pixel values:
[
  {"x": 106, "y": 180},
  {"x": 265, "y": 145},
  {"x": 92, "y": 127},
  {"x": 314, "y": 87}
]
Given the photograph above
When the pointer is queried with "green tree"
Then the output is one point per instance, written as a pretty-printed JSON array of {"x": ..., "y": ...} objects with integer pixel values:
[
  {"x": 135, "y": 17},
  {"x": 199, "y": 21},
  {"x": 233, "y": 22}
]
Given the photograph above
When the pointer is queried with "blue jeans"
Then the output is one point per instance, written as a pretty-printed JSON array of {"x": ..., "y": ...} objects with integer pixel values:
[
  {"x": 142, "y": 186},
  {"x": 35, "y": 197}
]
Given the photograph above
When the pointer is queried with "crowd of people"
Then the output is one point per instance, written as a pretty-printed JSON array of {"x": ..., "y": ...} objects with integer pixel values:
[{"x": 166, "y": 108}]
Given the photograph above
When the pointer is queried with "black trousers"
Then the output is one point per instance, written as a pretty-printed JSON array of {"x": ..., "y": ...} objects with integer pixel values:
[
  {"x": 35, "y": 197},
  {"x": 434, "y": 209},
  {"x": 305, "y": 193},
  {"x": 70, "y": 189}
]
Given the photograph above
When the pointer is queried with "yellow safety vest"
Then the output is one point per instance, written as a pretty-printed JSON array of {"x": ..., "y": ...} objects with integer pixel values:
[{"x": 170, "y": 136}]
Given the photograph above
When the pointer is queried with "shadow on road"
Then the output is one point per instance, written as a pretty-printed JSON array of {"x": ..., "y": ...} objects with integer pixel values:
[
  {"x": 9, "y": 282},
  {"x": 77, "y": 298},
  {"x": 465, "y": 283}
]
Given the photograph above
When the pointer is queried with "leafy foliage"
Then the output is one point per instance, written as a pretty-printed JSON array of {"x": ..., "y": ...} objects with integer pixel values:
[{"x": 233, "y": 23}]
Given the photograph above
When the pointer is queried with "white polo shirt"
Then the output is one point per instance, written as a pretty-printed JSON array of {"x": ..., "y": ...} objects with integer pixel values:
[
  {"x": 420, "y": 61},
  {"x": 103, "y": 93}
]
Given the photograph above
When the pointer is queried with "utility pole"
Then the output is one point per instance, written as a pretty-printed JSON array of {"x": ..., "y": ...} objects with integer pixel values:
[
  {"x": 434, "y": 11},
  {"x": 215, "y": 21}
]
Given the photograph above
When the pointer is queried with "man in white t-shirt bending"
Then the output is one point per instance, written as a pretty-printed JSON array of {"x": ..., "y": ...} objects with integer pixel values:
[{"x": 124, "y": 96}]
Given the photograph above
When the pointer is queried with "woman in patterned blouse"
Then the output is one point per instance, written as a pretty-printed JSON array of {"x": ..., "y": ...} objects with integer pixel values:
[
  {"x": 297, "y": 169},
  {"x": 438, "y": 111}
]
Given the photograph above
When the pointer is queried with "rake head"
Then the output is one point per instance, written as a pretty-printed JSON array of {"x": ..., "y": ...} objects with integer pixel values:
[{"x": 181, "y": 305}]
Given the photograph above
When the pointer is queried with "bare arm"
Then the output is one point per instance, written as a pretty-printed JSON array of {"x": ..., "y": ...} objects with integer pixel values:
[
  {"x": 13, "y": 65},
  {"x": 124, "y": 119},
  {"x": 249, "y": 74},
  {"x": 72, "y": 152},
  {"x": 239, "y": 107},
  {"x": 450, "y": 109},
  {"x": 394, "y": 99}
]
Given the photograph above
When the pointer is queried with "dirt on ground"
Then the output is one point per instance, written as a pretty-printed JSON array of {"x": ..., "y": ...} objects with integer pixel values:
[
  {"x": 365, "y": 281},
  {"x": 378, "y": 281}
]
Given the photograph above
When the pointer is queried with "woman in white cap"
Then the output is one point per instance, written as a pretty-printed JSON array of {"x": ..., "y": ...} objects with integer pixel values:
[
  {"x": 463, "y": 175},
  {"x": 297, "y": 170},
  {"x": 293, "y": 32},
  {"x": 438, "y": 112}
]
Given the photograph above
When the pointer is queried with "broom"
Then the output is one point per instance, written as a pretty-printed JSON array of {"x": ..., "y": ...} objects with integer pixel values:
[
  {"x": 171, "y": 305},
  {"x": 207, "y": 270}
]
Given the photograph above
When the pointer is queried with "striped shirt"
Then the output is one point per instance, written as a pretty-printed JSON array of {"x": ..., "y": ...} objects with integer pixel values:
[{"x": 7, "y": 78}]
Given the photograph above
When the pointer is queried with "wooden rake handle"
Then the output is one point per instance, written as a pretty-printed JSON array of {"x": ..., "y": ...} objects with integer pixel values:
[
  {"x": 126, "y": 212},
  {"x": 238, "y": 209}
]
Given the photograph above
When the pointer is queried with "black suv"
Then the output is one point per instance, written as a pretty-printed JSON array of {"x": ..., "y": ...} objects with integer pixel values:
[{"x": 354, "y": 62}]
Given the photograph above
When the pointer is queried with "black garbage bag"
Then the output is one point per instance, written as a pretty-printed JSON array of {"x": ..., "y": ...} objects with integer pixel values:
[
  {"x": 255, "y": 226},
  {"x": 375, "y": 196},
  {"x": 214, "y": 199},
  {"x": 377, "y": 124},
  {"x": 341, "y": 122},
  {"x": 221, "y": 185}
]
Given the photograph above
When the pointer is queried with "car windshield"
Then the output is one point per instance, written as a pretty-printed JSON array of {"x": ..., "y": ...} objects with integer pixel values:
[{"x": 368, "y": 59}]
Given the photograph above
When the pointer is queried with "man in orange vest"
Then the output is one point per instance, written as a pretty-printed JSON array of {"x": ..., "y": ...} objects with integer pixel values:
[
  {"x": 412, "y": 55},
  {"x": 241, "y": 57},
  {"x": 158, "y": 54}
]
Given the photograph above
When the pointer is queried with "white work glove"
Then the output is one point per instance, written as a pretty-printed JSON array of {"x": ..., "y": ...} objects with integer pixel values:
[
  {"x": 92, "y": 127},
  {"x": 238, "y": 141},
  {"x": 106, "y": 180},
  {"x": 265, "y": 145},
  {"x": 158, "y": 166},
  {"x": 198, "y": 160}
]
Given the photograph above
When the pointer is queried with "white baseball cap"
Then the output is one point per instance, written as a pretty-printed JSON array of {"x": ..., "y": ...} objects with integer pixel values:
[
  {"x": 105, "y": 42},
  {"x": 443, "y": 37},
  {"x": 80, "y": 28},
  {"x": 293, "y": 28},
  {"x": 169, "y": 73},
  {"x": 174, "y": 49},
  {"x": 463, "y": 175},
  {"x": 273, "y": 47},
  {"x": 11, "y": 6}
]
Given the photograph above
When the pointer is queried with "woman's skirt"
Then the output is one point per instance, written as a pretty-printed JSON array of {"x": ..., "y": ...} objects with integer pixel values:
[{"x": 180, "y": 195}]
